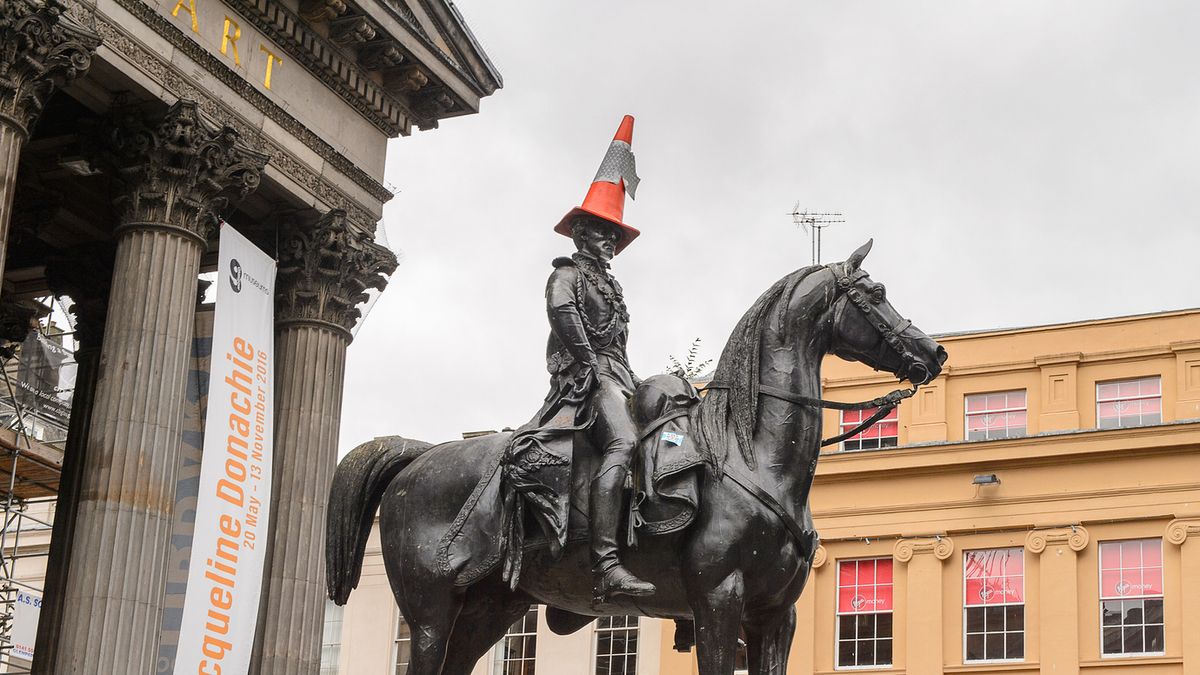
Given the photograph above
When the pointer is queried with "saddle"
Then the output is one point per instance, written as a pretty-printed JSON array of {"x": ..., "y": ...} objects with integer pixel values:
[{"x": 535, "y": 489}]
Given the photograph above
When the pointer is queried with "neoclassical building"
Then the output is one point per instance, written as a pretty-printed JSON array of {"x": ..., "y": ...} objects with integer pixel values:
[
  {"x": 128, "y": 130},
  {"x": 1035, "y": 509}
]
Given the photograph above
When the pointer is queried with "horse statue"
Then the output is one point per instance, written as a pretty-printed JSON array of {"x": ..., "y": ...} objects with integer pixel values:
[{"x": 741, "y": 563}]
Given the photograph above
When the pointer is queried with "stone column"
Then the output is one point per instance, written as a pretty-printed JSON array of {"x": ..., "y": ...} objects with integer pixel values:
[
  {"x": 1058, "y": 604},
  {"x": 40, "y": 50},
  {"x": 324, "y": 270},
  {"x": 923, "y": 633},
  {"x": 85, "y": 278},
  {"x": 1185, "y": 533},
  {"x": 177, "y": 174}
]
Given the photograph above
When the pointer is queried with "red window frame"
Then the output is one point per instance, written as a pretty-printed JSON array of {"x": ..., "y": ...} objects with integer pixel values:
[{"x": 882, "y": 434}]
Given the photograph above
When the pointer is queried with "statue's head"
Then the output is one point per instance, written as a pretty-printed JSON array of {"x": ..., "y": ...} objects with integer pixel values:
[{"x": 595, "y": 236}]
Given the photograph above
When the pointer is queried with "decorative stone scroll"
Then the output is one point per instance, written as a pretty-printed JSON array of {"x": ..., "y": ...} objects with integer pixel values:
[
  {"x": 325, "y": 270},
  {"x": 819, "y": 557},
  {"x": 941, "y": 548},
  {"x": 1076, "y": 538},
  {"x": 41, "y": 49},
  {"x": 180, "y": 172},
  {"x": 1180, "y": 529}
]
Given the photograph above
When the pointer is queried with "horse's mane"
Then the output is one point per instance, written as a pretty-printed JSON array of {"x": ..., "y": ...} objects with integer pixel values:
[{"x": 736, "y": 402}]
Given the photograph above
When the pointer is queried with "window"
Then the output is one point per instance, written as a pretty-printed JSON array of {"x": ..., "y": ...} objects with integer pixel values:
[
  {"x": 402, "y": 648},
  {"x": 996, "y": 415},
  {"x": 331, "y": 638},
  {"x": 1131, "y": 597},
  {"x": 882, "y": 434},
  {"x": 994, "y": 605},
  {"x": 517, "y": 651},
  {"x": 1129, "y": 403},
  {"x": 616, "y": 645},
  {"x": 864, "y": 613}
]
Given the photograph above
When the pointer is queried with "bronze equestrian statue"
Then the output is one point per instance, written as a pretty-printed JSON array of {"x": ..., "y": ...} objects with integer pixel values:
[{"x": 742, "y": 556}]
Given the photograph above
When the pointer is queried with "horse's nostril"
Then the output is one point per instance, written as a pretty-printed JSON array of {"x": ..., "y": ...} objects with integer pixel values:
[{"x": 942, "y": 355}]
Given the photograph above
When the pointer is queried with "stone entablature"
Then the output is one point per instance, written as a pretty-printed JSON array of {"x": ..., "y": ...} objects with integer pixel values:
[{"x": 335, "y": 93}]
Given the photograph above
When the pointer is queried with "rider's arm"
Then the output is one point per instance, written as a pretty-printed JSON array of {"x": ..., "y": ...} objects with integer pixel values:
[{"x": 563, "y": 309}]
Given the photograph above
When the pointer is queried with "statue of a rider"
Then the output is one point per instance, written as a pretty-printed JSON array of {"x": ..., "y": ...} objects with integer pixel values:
[{"x": 586, "y": 352}]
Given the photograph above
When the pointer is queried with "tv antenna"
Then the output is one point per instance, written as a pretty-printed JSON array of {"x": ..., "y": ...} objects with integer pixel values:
[{"x": 812, "y": 224}]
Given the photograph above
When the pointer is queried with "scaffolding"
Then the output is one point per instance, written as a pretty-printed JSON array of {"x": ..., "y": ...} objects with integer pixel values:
[{"x": 35, "y": 408}]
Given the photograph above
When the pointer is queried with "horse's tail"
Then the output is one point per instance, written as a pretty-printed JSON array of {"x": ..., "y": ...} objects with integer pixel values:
[{"x": 358, "y": 485}]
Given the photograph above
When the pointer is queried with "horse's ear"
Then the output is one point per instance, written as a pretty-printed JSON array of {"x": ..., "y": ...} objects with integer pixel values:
[{"x": 856, "y": 258}]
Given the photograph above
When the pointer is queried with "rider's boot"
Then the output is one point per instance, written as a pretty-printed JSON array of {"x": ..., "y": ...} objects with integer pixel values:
[{"x": 608, "y": 574}]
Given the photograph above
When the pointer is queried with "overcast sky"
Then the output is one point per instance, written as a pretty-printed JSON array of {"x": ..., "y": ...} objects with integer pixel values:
[{"x": 1016, "y": 162}]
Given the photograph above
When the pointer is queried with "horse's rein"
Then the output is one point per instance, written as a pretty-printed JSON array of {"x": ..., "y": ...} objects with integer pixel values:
[
  {"x": 885, "y": 404},
  {"x": 890, "y": 335}
]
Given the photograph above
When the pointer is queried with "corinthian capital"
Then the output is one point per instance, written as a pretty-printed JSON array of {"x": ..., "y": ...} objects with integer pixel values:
[
  {"x": 325, "y": 270},
  {"x": 40, "y": 49},
  {"x": 180, "y": 172}
]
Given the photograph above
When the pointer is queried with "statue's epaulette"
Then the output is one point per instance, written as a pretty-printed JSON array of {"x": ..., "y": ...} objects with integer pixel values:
[{"x": 562, "y": 262}]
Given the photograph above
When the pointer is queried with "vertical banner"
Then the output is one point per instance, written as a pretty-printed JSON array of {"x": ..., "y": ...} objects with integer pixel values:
[
  {"x": 187, "y": 489},
  {"x": 220, "y": 608}
]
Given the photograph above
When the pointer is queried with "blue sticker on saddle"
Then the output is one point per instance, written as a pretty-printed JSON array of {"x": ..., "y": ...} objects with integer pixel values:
[{"x": 672, "y": 437}]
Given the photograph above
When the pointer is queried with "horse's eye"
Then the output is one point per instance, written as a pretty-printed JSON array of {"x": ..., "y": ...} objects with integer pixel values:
[{"x": 877, "y": 295}]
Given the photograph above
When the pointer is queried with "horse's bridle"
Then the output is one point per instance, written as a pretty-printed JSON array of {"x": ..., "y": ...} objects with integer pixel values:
[
  {"x": 849, "y": 292},
  {"x": 890, "y": 334}
]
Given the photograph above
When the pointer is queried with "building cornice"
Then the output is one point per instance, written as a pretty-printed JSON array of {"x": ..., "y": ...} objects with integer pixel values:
[
  {"x": 1034, "y": 363},
  {"x": 160, "y": 70},
  {"x": 326, "y": 62},
  {"x": 1077, "y": 445},
  {"x": 994, "y": 504}
]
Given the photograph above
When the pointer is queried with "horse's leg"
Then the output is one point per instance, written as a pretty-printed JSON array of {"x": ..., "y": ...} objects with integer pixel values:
[
  {"x": 717, "y": 612},
  {"x": 768, "y": 641},
  {"x": 485, "y": 617},
  {"x": 432, "y": 625}
]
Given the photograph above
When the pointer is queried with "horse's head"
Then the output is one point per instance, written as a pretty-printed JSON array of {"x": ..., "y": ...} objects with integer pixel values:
[{"x": 867, "y": 328}]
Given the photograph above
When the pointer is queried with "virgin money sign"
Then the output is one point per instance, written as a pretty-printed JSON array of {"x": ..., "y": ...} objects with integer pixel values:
[
  {"x": 865, "y": 586},
  {"x": 994, "y": 577},
  {"x": 220, "y": 607},
  {"x": 1131, "y": 569}
]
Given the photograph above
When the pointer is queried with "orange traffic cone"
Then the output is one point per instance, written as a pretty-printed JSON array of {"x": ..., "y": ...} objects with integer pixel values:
[{"x": 606, "y": 197}]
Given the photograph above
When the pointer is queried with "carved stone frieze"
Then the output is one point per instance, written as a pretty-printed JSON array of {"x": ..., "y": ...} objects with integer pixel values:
[
  {"x": 40, "y": 49},
  {"x": 179, "y": 85},
  {"x": 941, "y": 548},
  {"x": 280, "y": 159},
  {"x": 179, "y": 171},
  {"x": 1180, "y": 529},
  {"x": 325, "y": 61},
  {"x": 1076, "y": 538},
  {"x": 325, "y": 270}
]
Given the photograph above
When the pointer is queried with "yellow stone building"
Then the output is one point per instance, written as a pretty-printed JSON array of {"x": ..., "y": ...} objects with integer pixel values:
[{"x": 1034, "y": 509}]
